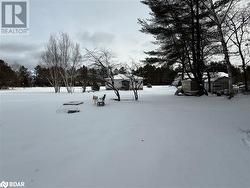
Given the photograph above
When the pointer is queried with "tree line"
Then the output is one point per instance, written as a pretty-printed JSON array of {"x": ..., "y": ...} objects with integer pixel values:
[
  {"x": 62, "y": 65},
  {"x": 87, "y": 76}
]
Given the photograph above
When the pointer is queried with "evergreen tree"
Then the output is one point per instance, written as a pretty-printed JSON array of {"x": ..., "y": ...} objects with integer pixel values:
[
  {"x": 157, "y": 76},
  {"x": 24, "y": 77},
  {"x": 183, "y": 32},
  {"x": 41, "y": 76},
  {"x": 7, "y": 75},
  {"x": 83, "y": 77}
]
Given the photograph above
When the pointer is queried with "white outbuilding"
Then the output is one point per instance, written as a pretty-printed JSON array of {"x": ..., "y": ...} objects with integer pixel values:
[
  {"x": 218, "y": 82},
  {"x": 122, "y": 82}
]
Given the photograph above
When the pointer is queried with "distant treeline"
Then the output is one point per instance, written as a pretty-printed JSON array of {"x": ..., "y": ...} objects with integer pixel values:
[{"x": 39, "y": 77}]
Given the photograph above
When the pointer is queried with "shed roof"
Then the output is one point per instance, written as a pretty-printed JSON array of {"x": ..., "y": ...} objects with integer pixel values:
[
  {"x": 124, "y": 77},
  {"x": 217, "y": 75}
]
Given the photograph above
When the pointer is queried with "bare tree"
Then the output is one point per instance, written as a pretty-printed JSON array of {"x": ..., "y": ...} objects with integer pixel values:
[
  {"x": 238, "y": 23},
  {"x": 219, "y": 11},
  {"x": 76, "y": 59},
  {"x": 51, "y": 58},
  {"x": 103, "y": 60},
  {"x": 135, "y": 81},
  {"x": 70, "y": 59},
  {"x": 62, "y": 57},
  {"x": 64, "y": 46}
]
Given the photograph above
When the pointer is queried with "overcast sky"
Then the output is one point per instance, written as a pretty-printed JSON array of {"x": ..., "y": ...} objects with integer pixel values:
[{"x": 110, "y": 24}]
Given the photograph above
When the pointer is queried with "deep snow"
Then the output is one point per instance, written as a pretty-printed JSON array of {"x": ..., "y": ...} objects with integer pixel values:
[{"x": 161, "y": 141}]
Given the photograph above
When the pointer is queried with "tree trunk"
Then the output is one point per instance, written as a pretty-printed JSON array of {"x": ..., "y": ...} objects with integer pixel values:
[
  {"x": 118, "y": 95},
  {"x": 198, "y": 51},
  {"x": 83, "y": 89},
  {"x": 57, "y": 89},
  {"x": 245, "y": 77},
  {"x": 196, "y": 46},
  {"x": 209, "y": 81},
  {"x": 227, "y": 61},
  {"x": 244, "y": 68},
  {"x": 193, "y": 36},
  {"x": 136, "y": 95}
]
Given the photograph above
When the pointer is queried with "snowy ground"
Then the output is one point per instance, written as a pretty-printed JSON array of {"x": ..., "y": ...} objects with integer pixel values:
[{"x": 189, "y": 142}]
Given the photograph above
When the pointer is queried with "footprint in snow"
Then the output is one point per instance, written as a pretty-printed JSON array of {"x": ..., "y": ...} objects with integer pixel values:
[{"x": 37, "y": 170}]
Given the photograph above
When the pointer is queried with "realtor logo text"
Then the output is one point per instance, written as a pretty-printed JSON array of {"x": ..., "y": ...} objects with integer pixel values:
[
  {"x": 5, "y": 184},
  {"x": 14, "y": 17}
]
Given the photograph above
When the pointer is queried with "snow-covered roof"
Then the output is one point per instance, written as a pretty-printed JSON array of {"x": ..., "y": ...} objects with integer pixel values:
[
  {"x": 213, "y": 75},
  {"x": 120, "y": 77},
  {"x": 124, "y": 77},
  {"x": 216, "y": 75},
  {"x": 138, "y": 78},
  {"x": 222, "y": 74}
]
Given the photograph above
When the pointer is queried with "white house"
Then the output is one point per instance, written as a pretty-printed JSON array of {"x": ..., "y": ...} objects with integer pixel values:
[{"x": 122, "y": 82}]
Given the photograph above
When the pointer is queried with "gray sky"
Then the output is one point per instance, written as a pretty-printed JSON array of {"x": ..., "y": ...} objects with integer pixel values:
[{"x": 110, "y": 24}]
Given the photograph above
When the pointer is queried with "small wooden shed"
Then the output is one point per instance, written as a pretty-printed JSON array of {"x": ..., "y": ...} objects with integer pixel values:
[
  {"x": 189, "y": 87},
  {"x": 219, "y": 83},
  {"x": 185, "y": 85}
]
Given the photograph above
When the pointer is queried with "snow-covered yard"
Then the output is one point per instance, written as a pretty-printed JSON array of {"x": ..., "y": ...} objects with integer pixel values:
[{"x": 162, "y": 141}]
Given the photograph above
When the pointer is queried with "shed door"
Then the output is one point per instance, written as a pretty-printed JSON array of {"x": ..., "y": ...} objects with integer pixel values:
[{"x": 125, "y": 84}]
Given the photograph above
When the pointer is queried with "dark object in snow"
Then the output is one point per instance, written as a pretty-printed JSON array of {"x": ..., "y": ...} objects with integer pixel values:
[
  {"x": 101, "y": 101},
  {"x": 149, "y": 86},
  {"x": 68, "y": 110},
  {"x": 73, "y": 111},
  {"x": 76, "y": 103},
  {"x": 179, "y": 92},
  {"x": 142, "y": 140}
]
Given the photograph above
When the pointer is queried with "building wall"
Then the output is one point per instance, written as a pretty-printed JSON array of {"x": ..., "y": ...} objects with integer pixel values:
[
  {"x": 218, "y": 85},
  {"x": 118, "y": 85},
  {"x": 189, "y": 85}
]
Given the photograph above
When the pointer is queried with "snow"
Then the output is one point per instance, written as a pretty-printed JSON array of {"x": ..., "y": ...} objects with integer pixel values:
[
  {"x": 161, "y": 141},
  {"x": 222, "y": 74}
]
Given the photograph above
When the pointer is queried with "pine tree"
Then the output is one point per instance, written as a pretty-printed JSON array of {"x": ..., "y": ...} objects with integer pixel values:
[
  {"x": 7, "y": 75},
  {"x": 181, "y": 29},
  {"x": 24, "y": 77}
]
